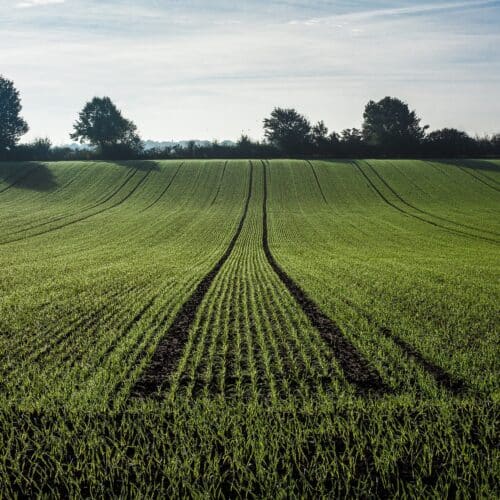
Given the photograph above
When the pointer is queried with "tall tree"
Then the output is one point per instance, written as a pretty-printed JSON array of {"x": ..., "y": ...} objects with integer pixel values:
[
  {"x": 319, "y": 137},
  {"x": 288, "y": 130},
  {"x": 102, "y": 124},
  {"x": 391, "y": 126},
  {"x": 12, "y": 126}
]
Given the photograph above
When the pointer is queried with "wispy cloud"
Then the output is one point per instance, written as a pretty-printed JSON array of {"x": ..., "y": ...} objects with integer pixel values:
[
  {"x": 393, "y": 12},
  {"x": 182, "y": 70},
  {"x": 37, "y": 3}
]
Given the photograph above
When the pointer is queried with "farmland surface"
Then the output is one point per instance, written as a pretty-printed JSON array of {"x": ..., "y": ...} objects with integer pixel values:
[{"x": 250, "y": 328}]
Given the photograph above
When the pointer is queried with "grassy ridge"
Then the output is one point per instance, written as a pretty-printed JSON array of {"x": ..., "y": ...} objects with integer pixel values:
[{"x": 98, "y": 259}]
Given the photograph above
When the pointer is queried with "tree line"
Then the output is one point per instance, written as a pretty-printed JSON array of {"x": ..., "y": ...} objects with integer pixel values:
[{"x": 389, "y": 129}]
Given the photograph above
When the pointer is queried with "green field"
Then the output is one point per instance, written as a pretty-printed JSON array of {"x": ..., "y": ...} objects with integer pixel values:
[{"x": 250, "y": 328}]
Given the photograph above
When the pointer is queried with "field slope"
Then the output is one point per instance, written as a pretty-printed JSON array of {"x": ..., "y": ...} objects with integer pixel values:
[{"x": 234, "y": 328}]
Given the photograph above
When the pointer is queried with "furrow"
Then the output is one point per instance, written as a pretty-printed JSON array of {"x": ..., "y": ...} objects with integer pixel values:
[
  {"x": 409, "y": 214},
  {"x": 356, "y": 369},
  {"x": 220, "y": 184},
  {"x": 128, "y": 195},
  {"x": 442, "y": 378},
  {"x": 160, "y": 196},
  {"x": 317, "y": 181},
  {"x": 170, "y": 348},
  {"x": 84, "y": 209},
  {"x": 402, "y": 200}
]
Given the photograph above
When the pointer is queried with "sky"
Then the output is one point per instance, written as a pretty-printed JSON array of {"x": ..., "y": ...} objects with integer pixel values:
[{"x": 214, "y": 69}]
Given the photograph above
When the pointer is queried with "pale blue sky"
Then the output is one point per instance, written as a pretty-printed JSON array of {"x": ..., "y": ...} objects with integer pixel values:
[{"x": 213, "y": 69}]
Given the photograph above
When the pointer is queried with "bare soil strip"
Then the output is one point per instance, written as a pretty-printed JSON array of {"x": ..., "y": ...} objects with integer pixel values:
[
  {"x": 169, "y": 350},
  {"x": 418, "y": 217},
  {"x": 357, "y": 370}
]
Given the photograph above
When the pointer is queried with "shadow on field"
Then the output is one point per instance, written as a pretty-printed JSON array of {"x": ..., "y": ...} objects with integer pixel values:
[
  {"x": 34, "y": 176},
  {"x": 144, "y": 165},
  {"x": 474, "y": 164}
]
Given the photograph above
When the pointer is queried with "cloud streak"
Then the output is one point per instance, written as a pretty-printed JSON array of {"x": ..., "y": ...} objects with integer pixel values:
[
  {"x": 183, "y": 72},
  {"x": 393, "y": 12},
  {"x": 37, "y": 3}
]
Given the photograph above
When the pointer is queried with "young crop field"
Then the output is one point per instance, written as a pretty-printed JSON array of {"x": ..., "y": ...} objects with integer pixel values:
[{"x": 284, "y": 328}]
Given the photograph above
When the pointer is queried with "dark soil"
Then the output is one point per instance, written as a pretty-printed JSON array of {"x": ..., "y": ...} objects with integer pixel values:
[
  {"x": 357, "y": 370},
  {"x": 169, "y": 351}
]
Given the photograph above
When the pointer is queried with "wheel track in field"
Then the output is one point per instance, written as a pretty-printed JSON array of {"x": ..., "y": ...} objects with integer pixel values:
[
  {"x": 136, "y": 352},
  {"x": 415, "y": 216},
  {"x": 81, "y": 219},
  {"x": 425, "y": 212},
  {"x": 241, "y": 315},
  {"x": 402, "y": 172},
  {"x": 317, "y": 180},
  {"x": 84, "y": 209},
  {"x": 442, "y": 377},
  {"x": 357, "y": 371},
  {"x": 320, "y": 187},
  {"x": 160, "y": 196},
  {"x": 478, "y": 178},
  {"x": 220, "y": 183},
  {"x": 262, "y": 374},
  {"x": 171, "y": 346}
]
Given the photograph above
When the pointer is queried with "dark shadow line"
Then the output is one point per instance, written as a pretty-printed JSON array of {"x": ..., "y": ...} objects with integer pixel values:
[
  {"x": 19, "y": 179},
  {"x": 409, "y": 214},
  {"x": 170, "y": 348},
  {"x": 83, "y": 218},
  {"x": 356, "y": 368},
  {"x": 477, "y": 178},
  {"x": 220, "y": 183},
  {"x": 99, "y": 360},
  {"x": 441, "y": 376},
  {"x": 400, "y": 198},
  {"x": 91, "y": 207},
  {"x": 43, "y": 345},
  {"x": 160, "y": 196},
  {"x": 317, "y": 181},
  {"x": 160, "y": 316}
]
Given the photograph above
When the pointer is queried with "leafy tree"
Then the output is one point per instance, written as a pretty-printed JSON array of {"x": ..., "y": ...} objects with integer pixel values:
[
  {"x": 12, "y": 126},
  {"x": 351, "y": 142},
  {"x": 39, "y": 149},
  {"x": 495, "y": 144},
  {"x": 391, "y": 126},
  {"x": 101, "y": 124},
  {"x": 451, "y": 142},
  {"x": 288, "y": 130},
  {"x": 245, "y": 146},
  {"x": 320, "y": 138}
]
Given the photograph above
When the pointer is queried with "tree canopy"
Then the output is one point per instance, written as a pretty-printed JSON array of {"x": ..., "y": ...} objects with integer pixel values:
[
  {"x": 102, "y": 124},
  {"x": 450, "y": 141},
  {"x": 288, "y": 130},
  {"x": 12, "y": 126},
  {"x": 390, "y": 125}
]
